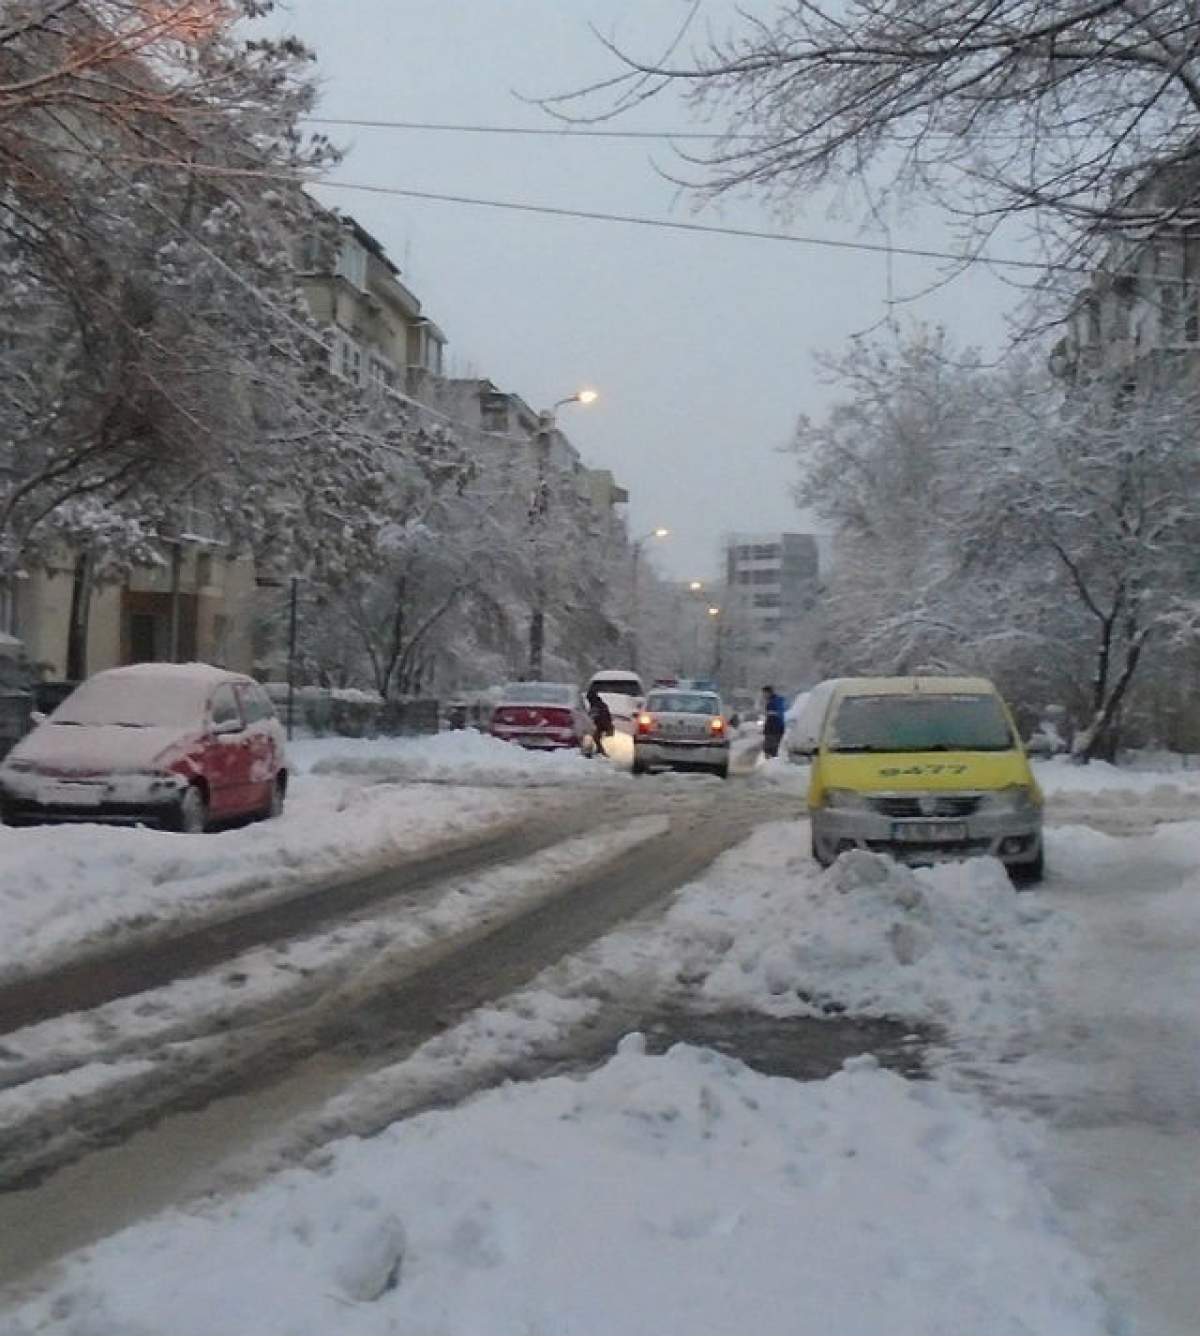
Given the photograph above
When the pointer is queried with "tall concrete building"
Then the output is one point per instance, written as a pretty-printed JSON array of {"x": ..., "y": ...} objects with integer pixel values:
[{"x": 771, "y": 583}]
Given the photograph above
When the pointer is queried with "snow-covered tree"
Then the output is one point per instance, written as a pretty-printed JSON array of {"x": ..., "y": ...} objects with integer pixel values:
[{"x": 983, "y": 523}]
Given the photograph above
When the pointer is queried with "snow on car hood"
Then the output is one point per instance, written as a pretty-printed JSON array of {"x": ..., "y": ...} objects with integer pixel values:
[{"x": 95, "y": 748}]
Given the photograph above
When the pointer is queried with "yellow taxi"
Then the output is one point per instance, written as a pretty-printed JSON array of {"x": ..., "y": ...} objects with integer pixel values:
[{"x": 927, "y": 769}]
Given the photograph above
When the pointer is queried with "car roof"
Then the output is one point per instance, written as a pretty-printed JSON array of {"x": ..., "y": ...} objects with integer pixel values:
[
  {"x": 915, "y": 686},
  {"x": 615, "y": 675},
  {"x": 537, "y": 686},
  {"x": 201, "y": 674}
]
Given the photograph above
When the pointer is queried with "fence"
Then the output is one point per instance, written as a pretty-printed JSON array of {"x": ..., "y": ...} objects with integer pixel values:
[{"x": 353, "y": 714}]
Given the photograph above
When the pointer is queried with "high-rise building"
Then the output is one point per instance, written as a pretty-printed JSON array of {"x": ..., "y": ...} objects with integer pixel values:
[{"x": 771, "y": 583}]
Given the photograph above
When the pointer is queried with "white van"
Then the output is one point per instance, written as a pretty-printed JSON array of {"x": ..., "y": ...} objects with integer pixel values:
[
  {"x": 623, "y": 693},
  {"x": 802, "y": 731}
]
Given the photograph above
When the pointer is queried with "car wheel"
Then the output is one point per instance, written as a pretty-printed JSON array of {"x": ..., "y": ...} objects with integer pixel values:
[
  {"x": 191, "y": 816},
  {"x": 721, "y": 771},
  {"x": 1026, "y": 875},
  {"x": 275, "y": 806},
  {"x": 821, "y": 862},
  {"x": 639, "y": 766}
]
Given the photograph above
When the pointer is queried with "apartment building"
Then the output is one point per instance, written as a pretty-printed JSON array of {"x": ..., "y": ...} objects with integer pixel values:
[
  {"x": 1138, "y": 321},
  {"x": 379, "y": 334},
  {"x": 770, "y": 590}
]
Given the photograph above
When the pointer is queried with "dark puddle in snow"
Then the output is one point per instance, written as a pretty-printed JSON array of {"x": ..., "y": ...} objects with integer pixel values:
[
  {"x": 800, "y": 1047},
  {"x": 803, "y": 1048}
]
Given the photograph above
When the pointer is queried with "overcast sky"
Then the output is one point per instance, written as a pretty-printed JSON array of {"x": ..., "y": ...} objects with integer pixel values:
[{"x": 701, "y": 346}]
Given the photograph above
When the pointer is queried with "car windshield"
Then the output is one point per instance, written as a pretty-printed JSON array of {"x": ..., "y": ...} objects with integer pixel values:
[
  {"x": 939, "y": 722},
  {"x": 620, "y": 686},
  {"x": 148, "y": 702},
  {"x": 683, "y": 702},
  {"x": 539, "y": 693}
]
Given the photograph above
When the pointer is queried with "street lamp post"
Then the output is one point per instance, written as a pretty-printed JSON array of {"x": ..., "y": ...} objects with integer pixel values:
[
  {"x": 537, "y": 516},
  {"x": 714, "y": 614},
  {"x": 635, "y": 636}
]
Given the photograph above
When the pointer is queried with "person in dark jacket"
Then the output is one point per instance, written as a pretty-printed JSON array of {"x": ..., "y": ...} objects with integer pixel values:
[
  {"x": 774, "y": 709},
  {"x": 602, "y": 723}
]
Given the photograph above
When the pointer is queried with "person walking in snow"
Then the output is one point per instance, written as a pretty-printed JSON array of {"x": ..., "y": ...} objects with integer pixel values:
[
  {"x": 774, "y": 709},
  {"x": 602, "y": 723}
]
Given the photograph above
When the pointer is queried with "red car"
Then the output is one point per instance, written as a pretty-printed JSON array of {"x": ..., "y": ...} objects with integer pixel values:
[
  {"x": 543, "y": 715},
  {"x": 180, "y": 746}
]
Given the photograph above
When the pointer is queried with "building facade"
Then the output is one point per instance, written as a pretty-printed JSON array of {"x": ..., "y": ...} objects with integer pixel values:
[
  {"x": 771, "y": 585},
  {"x": 1137, "y": 323}
]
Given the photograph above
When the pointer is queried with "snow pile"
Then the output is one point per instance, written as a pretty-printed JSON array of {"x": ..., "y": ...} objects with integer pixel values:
[
  {"x": 682, "y": 1195},
  {"x": 765, "y": 928},
  {"x": 460, "y": 757},
  {"x": 67, "y": 887},
  {"x": 1100, "y": 788}
]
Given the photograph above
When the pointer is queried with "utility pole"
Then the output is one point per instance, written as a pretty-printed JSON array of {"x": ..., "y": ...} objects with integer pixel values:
[
  {"x": 291, "y": 671},
  {"x": 539, "y": 506}
]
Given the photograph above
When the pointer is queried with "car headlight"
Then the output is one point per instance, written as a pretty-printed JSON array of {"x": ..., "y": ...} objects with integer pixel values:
[
  {"x": 1013, "y": 798},
  {"x": 846, "y": 800}
]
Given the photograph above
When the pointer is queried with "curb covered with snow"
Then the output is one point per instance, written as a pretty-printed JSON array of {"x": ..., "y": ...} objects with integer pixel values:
[{"x": 461, "y": 757}]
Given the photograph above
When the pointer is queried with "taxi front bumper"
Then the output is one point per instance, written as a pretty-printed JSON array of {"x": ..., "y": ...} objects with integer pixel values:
[{"x": 1015, "y": 837}]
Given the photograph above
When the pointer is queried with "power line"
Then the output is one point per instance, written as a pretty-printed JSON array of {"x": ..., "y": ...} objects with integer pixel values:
[
  {"x": 543, "y": 131},
  {"x": 628, "y": 219},
  {"x": 709, "y": 229},
  {"x": 588, "y": 131}
]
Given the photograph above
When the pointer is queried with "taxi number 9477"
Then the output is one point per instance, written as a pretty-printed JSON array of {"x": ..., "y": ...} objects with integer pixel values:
[{"x": 933, "y": 768}]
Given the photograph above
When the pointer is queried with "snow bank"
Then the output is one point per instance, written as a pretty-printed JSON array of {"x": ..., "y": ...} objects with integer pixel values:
[
  {"x": 1101, "y": 787},
  {"x": 63, "y": 888},
  {"x": 716, "y": 1200},
  {"x": 767, "y": 929},
  {"x": 460, "y": 757}
]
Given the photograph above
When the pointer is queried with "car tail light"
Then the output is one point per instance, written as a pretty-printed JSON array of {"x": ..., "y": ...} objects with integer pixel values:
[
  {"x": 645, "y": 723},
  {"x": 716, "y": 725}
]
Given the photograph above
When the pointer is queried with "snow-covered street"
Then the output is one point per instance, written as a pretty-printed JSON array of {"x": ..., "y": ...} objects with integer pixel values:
[{"x": 1054, "y": 1129}]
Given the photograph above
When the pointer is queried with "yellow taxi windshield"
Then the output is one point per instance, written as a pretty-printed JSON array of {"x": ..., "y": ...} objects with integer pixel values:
[{"x": 941, "y": 722}]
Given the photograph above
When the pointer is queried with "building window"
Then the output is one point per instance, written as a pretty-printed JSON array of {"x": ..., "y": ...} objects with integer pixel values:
[
  {"x": 352, "y": 263},
  {"x": 1188, "y": 295},
  {"x": 381, "y": 375},
  {"x": 766, "y": 600},
  {"x": 347, "y": 359}
]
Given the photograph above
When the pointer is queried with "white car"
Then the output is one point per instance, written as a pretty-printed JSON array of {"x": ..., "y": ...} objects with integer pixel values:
[
  {"x": 804, "y": 718},
  {"x": 681, "y": 730},
  {"x": 622, "y": 691}
]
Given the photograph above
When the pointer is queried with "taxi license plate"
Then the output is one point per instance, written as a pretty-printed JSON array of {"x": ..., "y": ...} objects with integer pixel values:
[
  {"x": 929, "y": 832},
  {"x": 66, "y": 794}
]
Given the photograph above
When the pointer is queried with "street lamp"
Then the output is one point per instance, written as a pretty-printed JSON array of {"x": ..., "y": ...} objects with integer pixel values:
[
  {"x": 537, "y": 515},
  {"x": 714, "y": 615},
  {"x": 638, "y": 544}
]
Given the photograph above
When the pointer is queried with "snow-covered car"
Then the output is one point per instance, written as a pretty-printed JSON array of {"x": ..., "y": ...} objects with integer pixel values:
[
  {"x": 623, "y": 693},
  {"x": 803, "y": 720},
  {"x": 174, "y": 745},
  {"x": 681, "y": 730},
  {"x": 542, "y": 715}
]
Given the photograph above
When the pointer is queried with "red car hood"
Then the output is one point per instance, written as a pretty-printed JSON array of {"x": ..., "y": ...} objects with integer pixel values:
[{"x": 97, "y": 748}]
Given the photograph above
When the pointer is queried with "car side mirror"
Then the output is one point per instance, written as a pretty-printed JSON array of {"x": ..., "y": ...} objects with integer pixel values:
[
  {"x": 37, "y": 717},
  {"x": 227, "y": 727}
]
